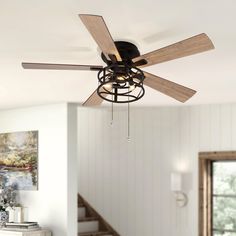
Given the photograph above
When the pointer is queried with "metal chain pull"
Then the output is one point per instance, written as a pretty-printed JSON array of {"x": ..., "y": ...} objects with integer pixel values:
[
  {"x": 112, "y": 114},
  {"x": 128, "y": 136}
]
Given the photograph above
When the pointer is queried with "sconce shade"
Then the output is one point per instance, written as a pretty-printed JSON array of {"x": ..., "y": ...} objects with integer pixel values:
[{"x": 176, "y": 182}]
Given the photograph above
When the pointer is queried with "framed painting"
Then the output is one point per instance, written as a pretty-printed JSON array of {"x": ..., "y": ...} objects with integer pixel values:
[{"x": 19, "y": 160}]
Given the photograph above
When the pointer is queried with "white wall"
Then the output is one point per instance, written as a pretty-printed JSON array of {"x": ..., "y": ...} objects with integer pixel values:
[
  {"x": 129, "y": 182},
  {"x": 50, "y": 205},
  {"x": 72, "y": 220}
]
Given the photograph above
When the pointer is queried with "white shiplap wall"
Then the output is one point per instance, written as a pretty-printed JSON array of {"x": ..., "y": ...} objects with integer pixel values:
[{"x": 129, "y": 182}]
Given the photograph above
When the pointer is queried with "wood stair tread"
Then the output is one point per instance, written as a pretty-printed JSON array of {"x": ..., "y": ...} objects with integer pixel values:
[
  {"x": 90, "y": 222},
  {"x": 100, "y": 233},
  {"x": 91, "y": 218}
]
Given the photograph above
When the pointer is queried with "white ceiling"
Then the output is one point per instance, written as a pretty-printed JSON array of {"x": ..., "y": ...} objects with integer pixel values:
[{"x": 50, "y": 31}]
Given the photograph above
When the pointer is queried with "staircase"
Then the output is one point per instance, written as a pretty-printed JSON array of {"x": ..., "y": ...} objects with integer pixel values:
[{"x": 90, "y": 223}]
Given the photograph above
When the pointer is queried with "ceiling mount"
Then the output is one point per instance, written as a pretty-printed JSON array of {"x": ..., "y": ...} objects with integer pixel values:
[{"x": 123, "y": 73}]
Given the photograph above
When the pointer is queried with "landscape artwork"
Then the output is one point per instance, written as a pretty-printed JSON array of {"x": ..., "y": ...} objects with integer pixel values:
[{"x": 19, "y": 160}]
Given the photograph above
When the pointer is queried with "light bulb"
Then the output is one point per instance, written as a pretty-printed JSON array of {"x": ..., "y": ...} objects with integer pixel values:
[
  {"x": 107, "y": 86},
  {"x": 131, "y": 87},
  {"x": 136, "y": 80},
  {"x": 120, "y": 78}
]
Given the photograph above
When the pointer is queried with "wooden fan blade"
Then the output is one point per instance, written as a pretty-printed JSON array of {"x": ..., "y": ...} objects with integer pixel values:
[
  {"x": 93, "y": 100},
  {"x": 46, "y": 66},
  {"x": 167, "y": 87},
  {"x": 100, "y": 33},
  {"x": 187, "y": 47}
]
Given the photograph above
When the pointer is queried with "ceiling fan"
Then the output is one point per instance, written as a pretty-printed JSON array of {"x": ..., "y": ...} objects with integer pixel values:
[{"x": 122, "y": 80}]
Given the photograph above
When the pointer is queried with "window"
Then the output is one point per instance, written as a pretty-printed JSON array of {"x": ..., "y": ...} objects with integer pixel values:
[
  {"x": 224, "y": 198},
  {"x": 217, "y": 194}
]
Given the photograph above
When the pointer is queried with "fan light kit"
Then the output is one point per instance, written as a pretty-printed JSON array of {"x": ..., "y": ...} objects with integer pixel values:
[{"x": 122, "y": 80}]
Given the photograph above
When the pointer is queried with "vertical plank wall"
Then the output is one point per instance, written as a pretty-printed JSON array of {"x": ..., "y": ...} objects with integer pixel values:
[{"x": 129, "y": 182}]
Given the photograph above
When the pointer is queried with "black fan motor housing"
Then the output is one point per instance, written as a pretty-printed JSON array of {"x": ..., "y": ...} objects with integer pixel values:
[{"x": 127, "y": 52}]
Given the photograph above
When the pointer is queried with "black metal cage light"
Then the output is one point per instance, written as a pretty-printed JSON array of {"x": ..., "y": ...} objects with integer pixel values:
[{"x": 120, "y": 83}]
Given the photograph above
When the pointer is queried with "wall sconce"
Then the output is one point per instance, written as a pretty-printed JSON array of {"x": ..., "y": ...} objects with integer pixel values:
[{"x": 176, "y": 187}]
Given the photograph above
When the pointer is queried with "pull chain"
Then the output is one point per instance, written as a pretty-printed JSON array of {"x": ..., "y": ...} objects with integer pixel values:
[
  {"x": 128, "y": 136},
  {"x": 112, "y": 114},
  {"x": 112, "y": 111}
]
